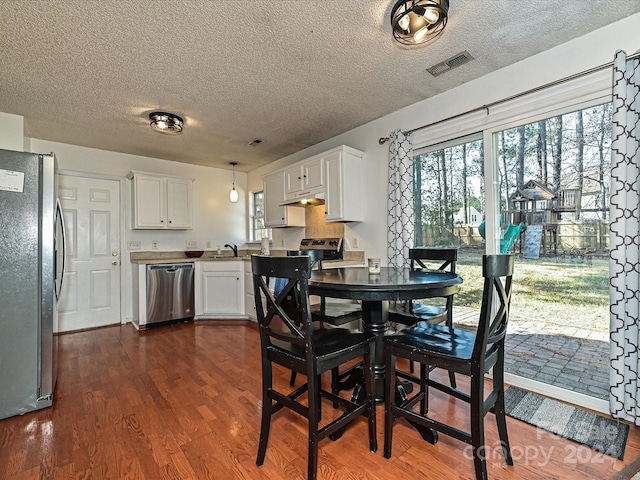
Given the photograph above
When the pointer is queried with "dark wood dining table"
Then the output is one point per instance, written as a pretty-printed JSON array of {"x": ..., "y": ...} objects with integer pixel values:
[{"x": 375, "y": 291}]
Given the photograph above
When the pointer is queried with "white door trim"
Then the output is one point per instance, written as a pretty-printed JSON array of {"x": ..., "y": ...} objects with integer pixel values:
[{"x": 121, "y": 218}]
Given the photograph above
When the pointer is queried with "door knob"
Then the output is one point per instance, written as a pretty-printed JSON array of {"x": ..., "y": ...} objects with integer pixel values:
[
  {"x": 114, "y": 253},
  {"x": 114, "y": 263}
]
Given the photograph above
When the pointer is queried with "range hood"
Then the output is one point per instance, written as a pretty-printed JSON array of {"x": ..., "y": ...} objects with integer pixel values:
[{"x": 305, "y": 201}]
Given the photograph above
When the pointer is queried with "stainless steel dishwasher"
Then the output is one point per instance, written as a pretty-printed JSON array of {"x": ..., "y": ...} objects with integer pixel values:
[{"x": 170, "y": 292}]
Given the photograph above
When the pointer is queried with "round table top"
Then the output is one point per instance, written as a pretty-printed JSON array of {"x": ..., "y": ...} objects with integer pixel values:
[{"x": 392, "y": 283}]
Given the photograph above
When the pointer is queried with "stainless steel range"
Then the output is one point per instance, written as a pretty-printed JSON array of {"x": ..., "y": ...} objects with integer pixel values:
[{"x": 332, "y": 247}]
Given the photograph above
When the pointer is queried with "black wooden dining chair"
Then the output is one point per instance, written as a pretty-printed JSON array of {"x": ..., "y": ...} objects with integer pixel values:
[
  {"x": 287, "y": 338},
  {"x": 331, "y": 312},
  {"x": 411, "y": 312},
  {"x": 437, "y": 310},
  {"x": 459, "y": 351}
]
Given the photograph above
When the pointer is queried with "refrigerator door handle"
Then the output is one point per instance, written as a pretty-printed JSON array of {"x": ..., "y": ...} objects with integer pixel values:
[{"x": 64, "y": 249}]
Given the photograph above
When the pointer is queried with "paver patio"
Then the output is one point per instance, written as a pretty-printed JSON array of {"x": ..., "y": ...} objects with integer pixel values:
[{"x": 570, "y": 358}]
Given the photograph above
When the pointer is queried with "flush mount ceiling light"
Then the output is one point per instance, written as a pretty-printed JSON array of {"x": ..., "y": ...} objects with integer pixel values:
[
  {"x": 233, "y": 194},
  {"x": 415, "y": 22},
  {"x": 164, "y": 122}
]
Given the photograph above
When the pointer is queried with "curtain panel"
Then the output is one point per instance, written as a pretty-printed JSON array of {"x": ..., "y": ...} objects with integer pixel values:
[
  {"x": 624, "y": 269},
  {"x": 400, "y": 223}
]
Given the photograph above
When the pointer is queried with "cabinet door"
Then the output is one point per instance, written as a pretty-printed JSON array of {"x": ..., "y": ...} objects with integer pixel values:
[
  {"x": 293, "y": 181},
  {"x": 249, "y": 299},
  {"x": 313, "y": 173},
  {"x": 343, "y": 200},
  {"x": 179, "y": 202},
  {"x": 149, "y": 202},
  {"x": 333, "y": 196},
  {"x": 276, "y": 215},
  {"x": 222, "y": 293}
]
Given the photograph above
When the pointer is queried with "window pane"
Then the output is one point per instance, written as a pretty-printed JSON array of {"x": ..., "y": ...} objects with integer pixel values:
[
  {"x": 554, "y": 181},
  {"x": 449, "y": 194},
  {"x": 258, "y": 229}
]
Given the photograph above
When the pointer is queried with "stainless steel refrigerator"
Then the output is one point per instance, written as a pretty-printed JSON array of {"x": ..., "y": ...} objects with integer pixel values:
[{"x": 31, "y": 274}]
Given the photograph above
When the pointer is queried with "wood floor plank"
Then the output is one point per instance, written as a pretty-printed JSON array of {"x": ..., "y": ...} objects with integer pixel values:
[{"x": 184, "y": 402}]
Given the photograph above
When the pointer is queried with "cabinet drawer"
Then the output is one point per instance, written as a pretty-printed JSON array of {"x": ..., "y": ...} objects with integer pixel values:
[{"x": 222, "y": 266}]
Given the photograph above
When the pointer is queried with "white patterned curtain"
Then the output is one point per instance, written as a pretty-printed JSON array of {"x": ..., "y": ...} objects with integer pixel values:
[
  {"x": 400, "y": 203},
  {"x": 624, "y": 269}
]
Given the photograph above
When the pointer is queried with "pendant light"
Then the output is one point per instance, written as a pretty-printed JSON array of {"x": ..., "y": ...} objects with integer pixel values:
[{"x": 233, "y": 194}]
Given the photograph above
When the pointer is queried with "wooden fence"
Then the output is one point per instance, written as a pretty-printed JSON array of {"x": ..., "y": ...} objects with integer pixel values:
[{"x": 572, "y": 235}]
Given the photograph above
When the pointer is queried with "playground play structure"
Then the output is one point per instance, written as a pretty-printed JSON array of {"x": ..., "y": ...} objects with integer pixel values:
[{"x": 535, "y": 204}]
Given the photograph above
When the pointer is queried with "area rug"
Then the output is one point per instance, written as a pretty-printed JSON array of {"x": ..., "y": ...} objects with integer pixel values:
[{"x": 605, "y": 435}]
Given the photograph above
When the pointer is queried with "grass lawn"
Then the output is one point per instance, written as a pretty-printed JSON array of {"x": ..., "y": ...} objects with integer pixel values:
[{"x": 563, "y": 290}]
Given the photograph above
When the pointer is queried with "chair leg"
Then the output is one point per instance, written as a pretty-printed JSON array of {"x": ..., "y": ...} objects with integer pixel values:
[
  {"x": 449, "y": 323},
  {"x": 314, "y": 420},
  {"x": 389, "y": 402},
  {"x": 477, "y": 428},
  {"x": 498, "y": 410},
  {"x": 452, "y": 380},
  {"x": 292, "y": 382},
  {"x": 424, "y": 376},
  {"x": 267, "y": 407}
]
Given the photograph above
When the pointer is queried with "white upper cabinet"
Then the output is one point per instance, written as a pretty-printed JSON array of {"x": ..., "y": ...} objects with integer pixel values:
[
  {"x": 161, "y": 202},
  {"x": 275, "y": 214},
  {"x": 304, "y": 179},
  {"x": 335, "y": 175},
  {"x": 343, "y": 190}
]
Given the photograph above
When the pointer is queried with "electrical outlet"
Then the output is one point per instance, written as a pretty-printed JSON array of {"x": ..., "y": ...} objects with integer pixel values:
[
  {"x": 282, "y": 243},
  {"x": 192, "y": 244},
  {"x": 154, "y": 245},
  {"x": 208, "y": 244},
  {"x": 133, "y": 245},
  {"x": 356, "y": 242}
]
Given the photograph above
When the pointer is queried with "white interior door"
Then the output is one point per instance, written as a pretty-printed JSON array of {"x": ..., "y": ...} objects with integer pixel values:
[{"x": 91, "y": 290}]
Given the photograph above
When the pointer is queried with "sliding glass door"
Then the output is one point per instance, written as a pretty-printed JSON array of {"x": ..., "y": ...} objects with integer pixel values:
[{"x": 543, "y": 196}]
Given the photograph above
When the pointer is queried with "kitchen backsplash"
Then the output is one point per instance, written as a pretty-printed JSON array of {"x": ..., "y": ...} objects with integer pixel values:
[{"x": 317, "y": 227}]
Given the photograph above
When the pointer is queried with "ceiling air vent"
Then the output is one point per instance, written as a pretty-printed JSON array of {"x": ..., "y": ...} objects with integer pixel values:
[
  {"x": 255, "y": 143},
  {"x": 453, "y": 62}
]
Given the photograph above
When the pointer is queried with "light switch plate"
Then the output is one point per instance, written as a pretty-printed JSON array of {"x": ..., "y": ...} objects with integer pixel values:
[
  {"x": 192, "y": 244},
  {"x": 133, "y": 245}
]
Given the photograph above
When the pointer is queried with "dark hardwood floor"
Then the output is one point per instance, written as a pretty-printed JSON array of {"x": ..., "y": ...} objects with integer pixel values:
[{"x": 183, "y": 402}]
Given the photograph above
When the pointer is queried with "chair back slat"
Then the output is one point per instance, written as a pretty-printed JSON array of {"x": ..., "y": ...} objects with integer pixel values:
[
  {"x": 496, "y": 298},
  {"x": 447, "y": 255},
  {"x": 284, "y": 315},
  {"x": 316, "y": 256}
]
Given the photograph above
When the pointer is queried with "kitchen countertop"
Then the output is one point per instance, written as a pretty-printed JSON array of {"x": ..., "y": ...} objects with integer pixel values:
[{"x": 351, "y": 258}]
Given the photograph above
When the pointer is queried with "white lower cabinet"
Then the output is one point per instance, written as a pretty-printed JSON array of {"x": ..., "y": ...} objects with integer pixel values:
[
  {"x": 222, "y": 289},
  {"x": 249, "y": 299}
]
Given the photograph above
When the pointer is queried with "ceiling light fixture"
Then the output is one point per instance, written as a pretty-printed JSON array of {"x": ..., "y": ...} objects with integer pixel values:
[
  {"x": 233, "y": 194},
  {"x": 164, "y": 122},
  {"x": 415, "y": 22}
]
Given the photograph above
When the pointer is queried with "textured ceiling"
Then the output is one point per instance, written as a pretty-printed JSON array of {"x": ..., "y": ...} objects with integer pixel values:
[{"x": 290, "y": 72}]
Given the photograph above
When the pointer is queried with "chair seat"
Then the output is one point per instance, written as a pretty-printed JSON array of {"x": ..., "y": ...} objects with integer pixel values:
[
  {"x": 328, "y": 342},
  {"x": 336, "y": 313},
  {"x": 437, "y": 340},
  {"x": 407, "y": 314}
]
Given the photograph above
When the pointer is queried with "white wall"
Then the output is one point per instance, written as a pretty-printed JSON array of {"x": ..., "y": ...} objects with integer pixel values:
[{"x": 579, "y": 55}]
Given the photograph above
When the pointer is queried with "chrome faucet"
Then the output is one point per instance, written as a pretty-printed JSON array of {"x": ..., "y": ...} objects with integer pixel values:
[{"x": 233, "y": 247}]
